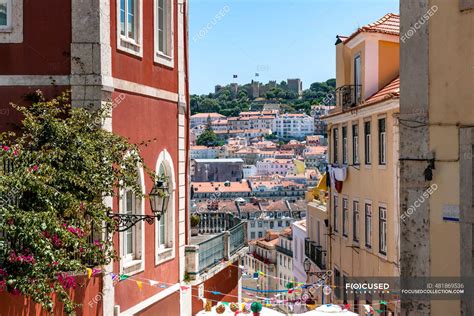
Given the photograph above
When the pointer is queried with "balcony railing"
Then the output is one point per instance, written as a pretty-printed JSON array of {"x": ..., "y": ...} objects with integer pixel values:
[
  {"x": 348, "y": 96},
  {"x": 215, "y": 222},
  {"x": 315, "y": 253},
  {"x": 284, "y": 251},
  {"x": 237, "y": 238},
  {"x": 211, "y": 251},
  {"x": 262, "y": 258},
  {"x": 206, "y": 251}
]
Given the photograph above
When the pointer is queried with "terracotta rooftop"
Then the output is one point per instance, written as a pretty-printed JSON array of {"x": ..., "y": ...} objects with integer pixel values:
[
  {"x": 278, "y": 205},
  {"x": 205, "y": 115},
  {"x": 299, "y": 205},
  {"x": 389, "y": 91},
  {"x": 216, "y": 206},
  {"x": 200, "y": 147},
  {"x": 388, "y": 24},
  {"x": 315, "y": 150},
  {"x": 212, "y": 187},
  {"x": 287, "y": 232}
]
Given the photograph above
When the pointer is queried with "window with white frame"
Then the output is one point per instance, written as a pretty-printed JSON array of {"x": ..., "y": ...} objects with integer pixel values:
[
  {"x": 334, "y": 146},
  {"x": 355, "y": 221},
  {"x": 344, "y": 145},
  {"x": 367, "y": 143},
  {"x": 368, "y": 225},
  {"x": 131, "y": 207},
  {"x": 164, "y": 228},
  {"x": 382, "y": 142},
  {"x": 383, "y": 230},
  {"x": 132, "y": 240},
  {"x": 11, "y": 21},
  {"x": 355, "y": 144},
  {"x": 345, "y": 217},
  {"x": 164, "y": 32},
  {"x": 5, "y": 13},
  {"x": 129, "y": 27}
]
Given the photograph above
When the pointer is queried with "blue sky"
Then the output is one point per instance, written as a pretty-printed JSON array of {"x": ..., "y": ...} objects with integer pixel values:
[{"x": 278, "y": 39}]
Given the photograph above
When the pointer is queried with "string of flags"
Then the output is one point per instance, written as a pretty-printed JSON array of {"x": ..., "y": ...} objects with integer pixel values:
[{"x": 266, "y": 301}]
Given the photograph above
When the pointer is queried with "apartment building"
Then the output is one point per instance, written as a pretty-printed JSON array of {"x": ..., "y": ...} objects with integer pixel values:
[
  {"x": 317, "y": 112},
  {"x": 284, "y": 258},
  {"x": 363, "y": 131},
  {"x": 131, "y": 55},
  {"x": 280, "y": 166},
  {"x": 203, "y": 152},
  {"x": 437, "y": 91},
  {"x": 218, "y": 170},
  {"x": 293, "y": 126},
  {"x": 262, "y": 257},
  {"x": 298, "y": 243},
  {"x": 277, "y": 188},
  {"x": 315, "y": 157}
]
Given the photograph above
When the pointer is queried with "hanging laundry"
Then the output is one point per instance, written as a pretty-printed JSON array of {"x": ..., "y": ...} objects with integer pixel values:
[{"x": 340, "y": 174}]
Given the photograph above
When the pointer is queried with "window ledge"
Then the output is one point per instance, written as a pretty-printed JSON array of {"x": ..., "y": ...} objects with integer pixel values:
[
  {"x": 7, "y": 29},
  {"x": 129, "y": 46},
  {"x": 132, "y": 267},
  {"x": 163, "y": 59},
  {"x": 382, "y": 167},
  {"x": 164, "y": 255}
]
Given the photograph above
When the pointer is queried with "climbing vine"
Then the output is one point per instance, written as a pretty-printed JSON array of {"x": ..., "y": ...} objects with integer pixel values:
[{"x": 54, "y": 176}]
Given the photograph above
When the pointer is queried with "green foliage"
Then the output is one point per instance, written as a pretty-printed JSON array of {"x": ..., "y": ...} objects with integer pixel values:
[
  {"x": 195, "y": 220},
  {"x": 227, "y": 103},
  {"x": 208, "y": 138},
  {"x": 51, "y": 203}
]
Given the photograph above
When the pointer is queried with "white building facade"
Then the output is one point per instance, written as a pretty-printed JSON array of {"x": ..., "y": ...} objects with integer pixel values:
[
  {"x": 299, "y": 236},
  {"x": 293, "y": 126}
]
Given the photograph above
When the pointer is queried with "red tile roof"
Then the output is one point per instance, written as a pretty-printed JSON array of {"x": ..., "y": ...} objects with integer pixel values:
[
  {"x": 212, "y": 187},
  {"x": 206, "y": 115},
  {"x": 389, "y": 91},
  {"x": 388, "y": 24}
]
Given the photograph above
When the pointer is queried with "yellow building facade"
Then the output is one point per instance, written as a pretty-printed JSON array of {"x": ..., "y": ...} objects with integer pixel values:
[{"x": 357, "y": 228}]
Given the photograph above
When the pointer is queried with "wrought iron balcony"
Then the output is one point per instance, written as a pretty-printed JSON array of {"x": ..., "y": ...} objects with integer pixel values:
[
  {"x": 348, "y": 96},
  {"x": 284, "y": 251},
  {"x": 315, "y": 253},
  {"x": 207, "y": 251}
]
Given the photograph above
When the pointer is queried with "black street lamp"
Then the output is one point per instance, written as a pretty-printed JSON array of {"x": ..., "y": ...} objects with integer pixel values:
[{"x": 159, "y": 198}]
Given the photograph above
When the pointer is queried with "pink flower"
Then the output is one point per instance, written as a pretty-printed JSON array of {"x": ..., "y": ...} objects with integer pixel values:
[
  {"x": 3, "y": 285},
  {"x": 56, "y": 241},
  {"x": 66, "y": 281},
  {"x": 6, "y": 148},
  {"x": 35, "y": 168}
]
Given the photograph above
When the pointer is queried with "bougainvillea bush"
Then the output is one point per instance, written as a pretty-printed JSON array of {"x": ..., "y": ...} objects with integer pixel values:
[{"x": 54, "y": 176}]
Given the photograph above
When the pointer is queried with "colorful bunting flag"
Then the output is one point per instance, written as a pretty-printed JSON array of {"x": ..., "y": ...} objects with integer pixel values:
[
  {"x": 89, "y": 272},
  {"x": 139, "y": 284}
]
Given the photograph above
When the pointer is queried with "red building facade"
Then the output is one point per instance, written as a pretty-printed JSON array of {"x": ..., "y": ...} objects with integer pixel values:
[{"x": 132, "y": 53}]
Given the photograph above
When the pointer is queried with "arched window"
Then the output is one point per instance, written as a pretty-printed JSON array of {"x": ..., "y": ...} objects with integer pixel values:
[
  {"x": 165, "y": 227},
  {"x": 132, "y": 240},
  {"x": 162, "y": 242}
]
